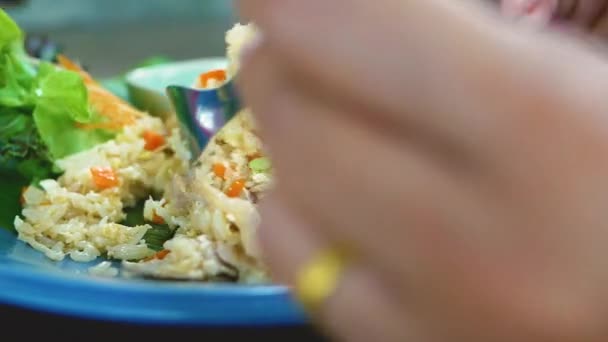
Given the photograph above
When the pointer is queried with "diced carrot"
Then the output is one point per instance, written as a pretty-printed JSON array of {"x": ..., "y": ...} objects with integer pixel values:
[
  {"x": 219, "y": 169},
  {"x": 153, "y": 140},
  {"x": 236, "y": 188},
  {"x": 159, "y": 255},
  {"x": 157, "y": 219},
  {"x": 218, "y": 75},
  {"x": 68, "y": 64},
  {"x": 162, "y": 254},
  {"x": 104, "y": 177}
]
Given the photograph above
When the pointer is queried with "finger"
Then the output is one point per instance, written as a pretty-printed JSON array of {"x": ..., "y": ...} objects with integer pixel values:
[
  {"x": 599, "y": 26},
  {"x": 437, "y": 234},
  {"x": 464, "y": 80},
  {"x": 600, "y": 30},
  {"x": 565, "y": 9},
  {"x": 589, "y": 12},
  {"x": 418, "y": 246},
  {"x": 434, "y": 69},
  {"x": 365, "y": 306},
  {"x": 433, "y": 235},
  {"x": 581, "y": 17},
  {"x": 305, "y": 139},
  {"x": 289, "y": 243},
  {"x": 423, "y": 71}
]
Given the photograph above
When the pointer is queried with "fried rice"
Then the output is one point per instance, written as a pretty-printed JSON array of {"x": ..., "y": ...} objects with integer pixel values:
[{"x": 209, "y": 204}]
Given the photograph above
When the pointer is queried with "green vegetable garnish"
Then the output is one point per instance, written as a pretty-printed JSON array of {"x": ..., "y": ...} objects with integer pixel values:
[
  {"x": 135, "y": 215},
  {"x": 40, "y": 109},
  {"x": 17, "y": 74},
  {"x": 22, "y": 153},
  {"x": 156, "y": 236},
  {"x": 260, "y": 165},
  {"x": 62, "y": 105},
  {"x": 10, "y": 33},
  {"x": 17, "y": 83}
]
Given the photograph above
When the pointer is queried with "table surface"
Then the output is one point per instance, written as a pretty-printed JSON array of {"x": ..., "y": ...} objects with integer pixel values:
[{"x": 70, "y": 328}]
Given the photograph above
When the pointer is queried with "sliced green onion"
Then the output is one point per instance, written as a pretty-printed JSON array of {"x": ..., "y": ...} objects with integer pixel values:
[
  {"x": 157, "y": 236},
  {"x": 260, "y": 164}
]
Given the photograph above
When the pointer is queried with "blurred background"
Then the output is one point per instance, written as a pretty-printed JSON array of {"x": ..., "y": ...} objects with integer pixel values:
[{"x": 110, "y": 37}]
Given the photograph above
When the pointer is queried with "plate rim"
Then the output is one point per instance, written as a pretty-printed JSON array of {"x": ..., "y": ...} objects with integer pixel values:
[{"x": 144, "y": 302}]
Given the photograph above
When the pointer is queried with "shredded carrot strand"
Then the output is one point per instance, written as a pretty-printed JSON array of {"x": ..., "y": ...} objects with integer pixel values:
[
  {"x": 160, "y": 255},
  {"x": 153, "y": 140},
  {"x": 119, "y": 112},
  {"x": 68, "y": 64}
]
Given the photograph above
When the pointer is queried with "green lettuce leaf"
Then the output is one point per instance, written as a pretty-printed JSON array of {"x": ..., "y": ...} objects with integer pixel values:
[
  {"x": 61, "y": 105},
  {"x": 21, "y": 150},
  {"x": 17, "y": 83},
  {"x": 40, "y": 109},
  {"x": 13, "y": 123},
  {"x": 16, "y": 72},
  {"x": 10, "y": 33}
]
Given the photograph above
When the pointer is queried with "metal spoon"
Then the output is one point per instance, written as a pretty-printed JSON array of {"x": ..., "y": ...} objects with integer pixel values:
[{"x": 203, "y": 112}]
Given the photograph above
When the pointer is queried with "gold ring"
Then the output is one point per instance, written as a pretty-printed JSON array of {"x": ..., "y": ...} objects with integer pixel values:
[{"x": 319, "y": 278}]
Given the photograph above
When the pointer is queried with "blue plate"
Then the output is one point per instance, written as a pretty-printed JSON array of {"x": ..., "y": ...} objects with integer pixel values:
[{"x": 28, "y": 279}]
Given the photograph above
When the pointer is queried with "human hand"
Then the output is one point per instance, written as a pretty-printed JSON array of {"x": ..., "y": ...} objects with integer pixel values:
[{"x": 466, "y": 170}]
